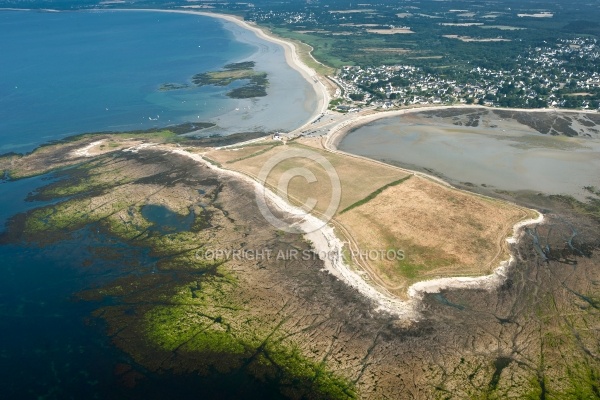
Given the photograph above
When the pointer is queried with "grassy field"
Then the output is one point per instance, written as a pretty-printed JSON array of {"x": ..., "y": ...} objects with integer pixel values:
[{"x": 319, "y": 46}]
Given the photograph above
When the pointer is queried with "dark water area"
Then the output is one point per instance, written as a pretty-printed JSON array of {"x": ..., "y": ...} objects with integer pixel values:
[
  {"x": 75, "y": 75},
  {"x": 14, "y": 193},
  {"x": 53, "y": 347},
  {"x": 50, "y": 346},
  {"x": 47, "y": 349}
]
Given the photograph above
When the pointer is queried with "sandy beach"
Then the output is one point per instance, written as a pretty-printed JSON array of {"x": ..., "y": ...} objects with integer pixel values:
[{"x": 324, "y": 239}]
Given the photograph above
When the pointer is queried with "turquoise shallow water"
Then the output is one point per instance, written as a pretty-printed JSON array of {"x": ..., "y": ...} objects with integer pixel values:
[{"x": 72, "y": 72}]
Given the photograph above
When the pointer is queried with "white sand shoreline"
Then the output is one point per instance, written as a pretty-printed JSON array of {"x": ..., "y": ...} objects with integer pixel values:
[
  {"x": 488, "y": 282},
  {"x": 325, "y": 241}
]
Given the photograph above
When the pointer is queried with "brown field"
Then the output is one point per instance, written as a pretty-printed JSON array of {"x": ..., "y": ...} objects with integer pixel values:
[
  {"x": 442, "y": 231},
  {"x": 470, "y": 39},
  {"x": 392, "y": 31}
]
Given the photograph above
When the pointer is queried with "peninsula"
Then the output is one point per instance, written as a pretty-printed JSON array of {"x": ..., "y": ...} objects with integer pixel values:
[{"x": 321, "y": 273}]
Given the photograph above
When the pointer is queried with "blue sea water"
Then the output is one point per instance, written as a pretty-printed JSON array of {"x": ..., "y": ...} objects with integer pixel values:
[{"x": 64, "y": 73}]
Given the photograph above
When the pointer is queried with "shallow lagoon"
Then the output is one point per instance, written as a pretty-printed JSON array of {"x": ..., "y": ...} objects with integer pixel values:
[{"x": 504, "y": 159}]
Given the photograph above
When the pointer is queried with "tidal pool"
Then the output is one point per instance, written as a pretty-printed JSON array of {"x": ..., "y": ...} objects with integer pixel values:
[{"x": 166, "y": 221}]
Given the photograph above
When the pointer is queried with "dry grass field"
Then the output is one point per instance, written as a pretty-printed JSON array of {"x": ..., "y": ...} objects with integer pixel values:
[
  {"x": 391, "y": 31},
  {"x": 441, "y": 231}
]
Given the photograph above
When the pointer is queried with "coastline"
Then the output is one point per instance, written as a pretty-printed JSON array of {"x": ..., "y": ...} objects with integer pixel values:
[
  {"x": 487, "y": 282},
  {"x": 325, "y": 240}
]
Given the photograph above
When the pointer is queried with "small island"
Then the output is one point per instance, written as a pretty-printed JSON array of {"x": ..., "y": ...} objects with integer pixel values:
[{"x": 256, "y": 87}]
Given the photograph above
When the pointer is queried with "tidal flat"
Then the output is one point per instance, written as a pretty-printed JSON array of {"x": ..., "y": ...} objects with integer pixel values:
[
  {"x": 119, "y": 195},
  {"x": 487, "y": 150},
  {"x": 285, "y": 328}
]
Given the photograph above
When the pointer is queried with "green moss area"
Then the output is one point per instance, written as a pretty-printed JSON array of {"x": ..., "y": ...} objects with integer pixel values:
[
  {"x": 61, "y": 153},
  {"x": 256, "y": 86},
  {"x": 189, "y": 307},
  {"x": 590, "y": 208},
  {"x": 202, "y": 318}
]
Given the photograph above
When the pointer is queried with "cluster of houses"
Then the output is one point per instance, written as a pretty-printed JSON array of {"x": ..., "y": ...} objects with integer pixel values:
[{"x": 565, "y": 74}]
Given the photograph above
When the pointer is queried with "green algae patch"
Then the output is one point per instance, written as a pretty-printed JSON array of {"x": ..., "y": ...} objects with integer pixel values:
[
  {"x": 197, "y": 317},
  {"x": 204, "y": 318},
  {"x": 112, "y": 193},
  {"x": 182, "y": 306},
  {"x": 316, "y": 375}
]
